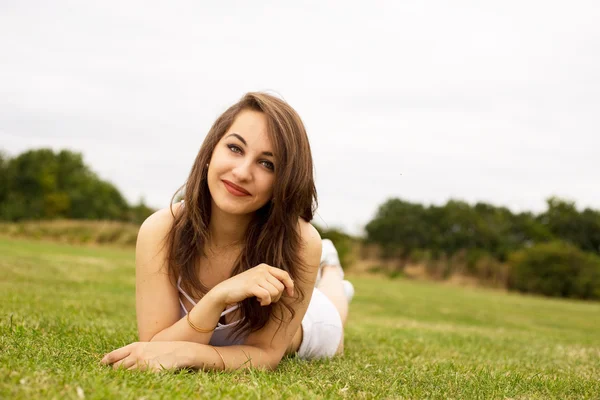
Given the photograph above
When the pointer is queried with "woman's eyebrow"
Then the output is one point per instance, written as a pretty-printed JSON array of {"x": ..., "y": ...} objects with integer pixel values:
[{"x": 241, "y": 139}]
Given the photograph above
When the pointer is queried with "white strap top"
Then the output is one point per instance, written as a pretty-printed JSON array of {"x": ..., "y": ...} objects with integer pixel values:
[{"x": 184, "y": 311}]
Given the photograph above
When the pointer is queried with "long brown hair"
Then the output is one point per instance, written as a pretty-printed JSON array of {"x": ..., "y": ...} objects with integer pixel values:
[{"x": 272, "y": 237}]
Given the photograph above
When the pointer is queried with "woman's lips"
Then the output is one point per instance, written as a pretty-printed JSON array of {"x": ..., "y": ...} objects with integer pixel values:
[{"x": 235, "y": 189}]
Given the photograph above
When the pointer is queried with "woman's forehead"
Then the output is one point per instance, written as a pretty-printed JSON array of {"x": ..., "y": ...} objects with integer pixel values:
[{"x": 251, "y": 127}]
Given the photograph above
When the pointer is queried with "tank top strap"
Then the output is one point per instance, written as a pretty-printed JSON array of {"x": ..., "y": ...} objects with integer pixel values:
[
  {"x": 227, "y": 311},
  {"x": 230, "y": 309},
  {"x": 184, "y": 293}
]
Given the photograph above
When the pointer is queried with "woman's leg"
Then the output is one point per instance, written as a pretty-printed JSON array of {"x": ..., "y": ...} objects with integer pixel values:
[
  {"x": 330, "y": 279},
  {"x": 330, "y": 282},
  {"x": 331, "y": 285}
]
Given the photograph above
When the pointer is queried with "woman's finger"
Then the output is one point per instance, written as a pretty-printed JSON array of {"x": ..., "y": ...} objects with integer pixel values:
[
  {"x": 285, "y": 278},
  {"x": 117, "y": 354},
  {"x": 126, "y": 363},
  {"x": 134, "y": 366},
  {"x": 138, "y": 364},
  {"x": 262, "y": 295},
  {"x": 278, "y": 285},
  {"x": 273, "y": 292}
]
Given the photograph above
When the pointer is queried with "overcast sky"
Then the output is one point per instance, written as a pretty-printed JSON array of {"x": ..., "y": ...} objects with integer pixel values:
[{"x": 422, "y": 100}]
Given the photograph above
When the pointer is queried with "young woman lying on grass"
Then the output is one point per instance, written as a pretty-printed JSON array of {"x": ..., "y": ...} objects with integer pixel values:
[{"x": 235, "y": 275}]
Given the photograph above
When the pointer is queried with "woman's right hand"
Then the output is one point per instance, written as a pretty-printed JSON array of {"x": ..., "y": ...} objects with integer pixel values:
[{"x": 264, "y": 282}]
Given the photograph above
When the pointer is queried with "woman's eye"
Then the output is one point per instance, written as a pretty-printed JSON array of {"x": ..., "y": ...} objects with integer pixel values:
[
  {"x": 234, "y": 148},
  {"x": 265, "y": 163},
  {"x": 268, "y": 164}
]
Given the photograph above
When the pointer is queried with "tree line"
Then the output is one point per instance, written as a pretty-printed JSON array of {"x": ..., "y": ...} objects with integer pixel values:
[
  {"x": 555, "y": 252},
  {"x": 44, "y": 184}
]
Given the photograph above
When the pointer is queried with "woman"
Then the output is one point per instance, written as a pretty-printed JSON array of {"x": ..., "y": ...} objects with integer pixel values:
[{"x": 226, "y": 278}]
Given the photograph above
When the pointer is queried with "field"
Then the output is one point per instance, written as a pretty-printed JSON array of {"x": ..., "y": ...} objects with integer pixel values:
[{"x": 63, "y": 306}]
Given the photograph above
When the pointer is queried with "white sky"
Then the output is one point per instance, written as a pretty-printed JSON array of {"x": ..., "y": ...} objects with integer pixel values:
[{"x": 423, "y": 100}]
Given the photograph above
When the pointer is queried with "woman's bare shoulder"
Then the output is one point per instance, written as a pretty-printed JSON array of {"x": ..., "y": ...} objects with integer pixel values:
[
  {"x": 311, "y": 242},
  {"x": 159, "y": 223},
  {"x": 307, "y": 231}
]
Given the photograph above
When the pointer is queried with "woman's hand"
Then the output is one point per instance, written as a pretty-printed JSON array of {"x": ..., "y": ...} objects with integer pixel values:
[
  {"x": 154, "y": 356},
  {"x": 264, "y": 282}
]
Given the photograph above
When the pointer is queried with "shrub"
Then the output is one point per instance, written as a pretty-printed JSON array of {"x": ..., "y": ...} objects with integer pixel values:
[{"x": 555, "y": 269}]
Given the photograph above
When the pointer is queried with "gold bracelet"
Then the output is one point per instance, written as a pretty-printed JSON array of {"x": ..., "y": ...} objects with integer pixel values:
[
  {"x": 222, "y": 359},
  {"x": 197, "y": 329}
]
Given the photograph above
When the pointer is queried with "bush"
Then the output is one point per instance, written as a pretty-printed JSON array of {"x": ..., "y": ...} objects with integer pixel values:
[{"x": 555, "y": 269}]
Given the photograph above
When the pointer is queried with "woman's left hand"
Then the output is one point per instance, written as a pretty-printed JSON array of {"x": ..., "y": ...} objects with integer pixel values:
[{"x": 154, "y": 356}]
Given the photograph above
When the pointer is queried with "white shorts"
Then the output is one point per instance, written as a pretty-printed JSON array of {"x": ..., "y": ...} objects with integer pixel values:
[{"x": 321, "y": 328}]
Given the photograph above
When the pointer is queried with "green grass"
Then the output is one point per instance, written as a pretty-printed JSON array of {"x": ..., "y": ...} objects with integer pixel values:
[{"x": 63, "y": 306}]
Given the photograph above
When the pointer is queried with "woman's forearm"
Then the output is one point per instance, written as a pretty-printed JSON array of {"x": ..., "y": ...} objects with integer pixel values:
[
  {"x": 232, "y": 357},
  {"x": 204, "y": 315}
]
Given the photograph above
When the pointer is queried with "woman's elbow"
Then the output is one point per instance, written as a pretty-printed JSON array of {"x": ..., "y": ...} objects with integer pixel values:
[
  {"x": 273, "y": 364},
  {"x": 268, "y": 365},
  {"x": 274, "y": 357}
]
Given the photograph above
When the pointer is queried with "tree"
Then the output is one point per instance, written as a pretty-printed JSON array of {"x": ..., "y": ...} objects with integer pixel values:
[
  {"x": 564, "y": 221},
  {"x": 43, "y": 184},
  {"x": 399, "y": 227}
]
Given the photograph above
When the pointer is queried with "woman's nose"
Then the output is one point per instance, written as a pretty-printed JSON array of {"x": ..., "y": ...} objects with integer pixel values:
[{"x": 242, "y": 171}]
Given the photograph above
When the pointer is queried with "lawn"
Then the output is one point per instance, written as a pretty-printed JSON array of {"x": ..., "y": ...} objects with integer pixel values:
[{"x": 63, "y": 306}]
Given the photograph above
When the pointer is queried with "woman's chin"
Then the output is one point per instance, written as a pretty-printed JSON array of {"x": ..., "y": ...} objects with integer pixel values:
[{"x": 234, "y": 207}]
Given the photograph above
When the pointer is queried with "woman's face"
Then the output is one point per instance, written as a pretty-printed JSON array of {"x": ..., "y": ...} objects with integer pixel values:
[{"x": 241, "y": 171}]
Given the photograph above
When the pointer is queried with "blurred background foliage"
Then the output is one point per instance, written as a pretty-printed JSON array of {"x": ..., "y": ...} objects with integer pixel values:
[
  {"x": 43, "y": 184},
  {"x": 47, "y": 194},
  {"x": 554, "y": 253}
]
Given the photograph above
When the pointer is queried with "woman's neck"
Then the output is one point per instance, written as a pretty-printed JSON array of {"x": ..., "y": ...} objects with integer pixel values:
[{"x": 226, "y": 230}]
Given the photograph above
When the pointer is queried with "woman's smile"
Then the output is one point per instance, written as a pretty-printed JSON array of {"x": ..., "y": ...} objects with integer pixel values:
[{"x": 235, "y": 189}]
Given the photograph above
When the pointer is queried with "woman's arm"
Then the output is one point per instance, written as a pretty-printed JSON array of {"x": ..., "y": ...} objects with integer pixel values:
[
  {"x": 263, "y": 349},
  {"x": 157, "y": 356},
  {"x": 157, "y": 299}
]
